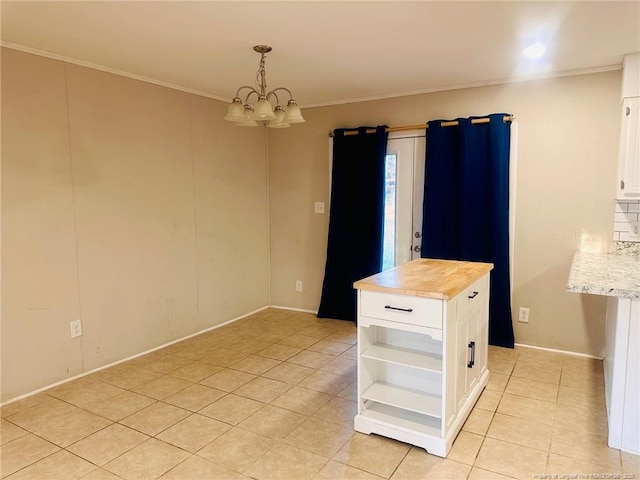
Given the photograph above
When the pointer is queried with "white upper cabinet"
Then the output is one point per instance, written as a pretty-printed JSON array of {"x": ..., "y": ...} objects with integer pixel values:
[
  {"x": 629, "y": 156},
  {"x": 631, "y": 76}
]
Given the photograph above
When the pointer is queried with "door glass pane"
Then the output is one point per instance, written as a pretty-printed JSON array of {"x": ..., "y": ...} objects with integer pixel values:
[{"x": 389, "y": 237}]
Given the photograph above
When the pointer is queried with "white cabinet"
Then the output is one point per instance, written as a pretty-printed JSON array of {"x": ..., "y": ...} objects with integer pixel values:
[
  {"x": 471, "y": 328},
  {"x": 621, "y": 377},
  {"x": 630, "y": 76},
  {"x": 628, "y": 187},
  {"x": 422, "y": 362},
  {"x": 629, "y": 155}
]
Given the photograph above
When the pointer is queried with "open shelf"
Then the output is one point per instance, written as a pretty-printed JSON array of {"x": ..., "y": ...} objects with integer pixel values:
[
  {"x": 412, "y": 400},
  {"x": 404, "y": 356},
  {"x": 403, "y": 418}
]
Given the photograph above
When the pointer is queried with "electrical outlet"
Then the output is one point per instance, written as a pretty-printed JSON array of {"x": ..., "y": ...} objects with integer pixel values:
[
  {"x": 298, "y": 285},
  {"x": 319, "y": 207},
  {"x": 76, "y": 328},
  {"x": 523, "y": 315}
]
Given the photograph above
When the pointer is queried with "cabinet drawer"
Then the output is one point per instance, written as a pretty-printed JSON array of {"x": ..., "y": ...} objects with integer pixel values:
[
  {"x": 426, "y": 312},
  {"x": 472, "y": 295}
]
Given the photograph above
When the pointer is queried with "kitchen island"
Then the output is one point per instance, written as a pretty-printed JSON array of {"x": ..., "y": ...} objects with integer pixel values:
[
  {"x": 422, "y": 350},
  {"x": 616, "y": 276}
]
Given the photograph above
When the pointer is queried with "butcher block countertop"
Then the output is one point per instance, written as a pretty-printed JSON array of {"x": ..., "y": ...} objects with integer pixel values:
[{"x": 425, "y": 277}]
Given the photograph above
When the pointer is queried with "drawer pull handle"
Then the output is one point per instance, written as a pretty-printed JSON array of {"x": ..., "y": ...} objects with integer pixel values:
[
  {"x": 473, "y": 295},
  {"x": 389, "y": 307},
  {"x": 472, "y": 346}
]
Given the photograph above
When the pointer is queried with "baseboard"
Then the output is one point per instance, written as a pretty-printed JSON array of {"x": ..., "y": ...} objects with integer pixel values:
[
  {"x": 554, "y": 350},
  {"x": 315, "y": 312},
  {"x": 66, "y": 380}
]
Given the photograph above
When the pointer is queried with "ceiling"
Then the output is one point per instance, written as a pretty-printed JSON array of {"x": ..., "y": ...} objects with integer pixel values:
[{"x": 327, "y": 52}]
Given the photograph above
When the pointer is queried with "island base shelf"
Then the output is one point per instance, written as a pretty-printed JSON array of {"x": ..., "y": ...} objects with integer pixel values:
[{"x": 420, "y": 430}]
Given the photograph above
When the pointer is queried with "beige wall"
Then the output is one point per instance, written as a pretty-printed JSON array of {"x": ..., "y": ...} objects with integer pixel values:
[
  {"x": 133, "y": 207},
  {"x": 568, "y": 143},
  {"x": 137, "y": 209}
]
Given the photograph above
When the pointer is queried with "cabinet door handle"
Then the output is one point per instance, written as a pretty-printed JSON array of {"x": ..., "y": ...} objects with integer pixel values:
[
  {"x": 389, "y": 307},
  {"x": 472, "y": 346},
  {"x": 474, "y": 295}
]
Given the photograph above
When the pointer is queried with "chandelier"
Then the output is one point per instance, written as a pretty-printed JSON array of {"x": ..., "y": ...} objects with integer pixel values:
[{"x": 244, "y": 114}]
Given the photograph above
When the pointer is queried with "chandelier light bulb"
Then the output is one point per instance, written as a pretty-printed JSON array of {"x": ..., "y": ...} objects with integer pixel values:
[
  {"x": 263, "y": 110},
  {"x": 235, "y": 113},
  {"x": 293, "y": 113},
  {"x": 247, "y": 119},
  {"x": 279, "y": 120}
]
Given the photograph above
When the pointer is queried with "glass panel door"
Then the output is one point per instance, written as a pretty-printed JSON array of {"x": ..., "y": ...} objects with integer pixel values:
[{"x": 404, "y": 183}]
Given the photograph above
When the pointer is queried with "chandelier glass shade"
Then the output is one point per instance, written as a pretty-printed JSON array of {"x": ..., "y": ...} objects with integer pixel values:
[{"x": 266, "y": 108}]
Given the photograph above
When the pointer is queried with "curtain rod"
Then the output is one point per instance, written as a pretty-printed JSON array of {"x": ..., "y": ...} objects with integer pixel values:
[{"x": 453, "y": 123}]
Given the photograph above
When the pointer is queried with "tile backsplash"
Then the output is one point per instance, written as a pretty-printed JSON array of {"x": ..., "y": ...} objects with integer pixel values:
[{"x": 627, "y": 217}]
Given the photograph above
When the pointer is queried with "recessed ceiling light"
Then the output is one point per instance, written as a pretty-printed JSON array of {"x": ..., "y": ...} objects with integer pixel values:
[{"x": 534, "y": 51}]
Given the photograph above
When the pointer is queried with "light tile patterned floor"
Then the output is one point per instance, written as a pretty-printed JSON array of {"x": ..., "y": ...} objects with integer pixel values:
[{"x": 272, "y": 396}]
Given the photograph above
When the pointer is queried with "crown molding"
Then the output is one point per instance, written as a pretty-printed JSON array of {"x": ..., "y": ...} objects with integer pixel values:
[
  {"x": 502, "y": 81},
  {"x": 102, "y": 68}
]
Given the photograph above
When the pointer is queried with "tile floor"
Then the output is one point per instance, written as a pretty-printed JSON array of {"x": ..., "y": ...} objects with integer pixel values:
[{"x": 272, "y": 396}]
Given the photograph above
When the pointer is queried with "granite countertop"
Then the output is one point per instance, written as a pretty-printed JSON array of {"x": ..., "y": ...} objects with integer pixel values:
[
  {"x": 425, "y": 277},
  {"x": 611, "y": 274}
]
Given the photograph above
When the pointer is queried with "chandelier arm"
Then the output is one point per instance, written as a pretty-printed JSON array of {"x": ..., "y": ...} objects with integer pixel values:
[
  {"x": 273, "y": 93},
  {"x": 281, "y": 88},
  {"x": 245, "y": 87},
  {"x": 257, "y": 93}
]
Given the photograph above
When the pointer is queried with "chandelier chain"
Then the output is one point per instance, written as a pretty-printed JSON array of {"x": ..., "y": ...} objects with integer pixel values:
[{"x": 261, "y": 77}]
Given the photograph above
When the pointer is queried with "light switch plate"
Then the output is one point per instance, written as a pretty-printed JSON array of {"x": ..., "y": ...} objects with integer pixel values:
[{"x": 319, "y": 207}]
